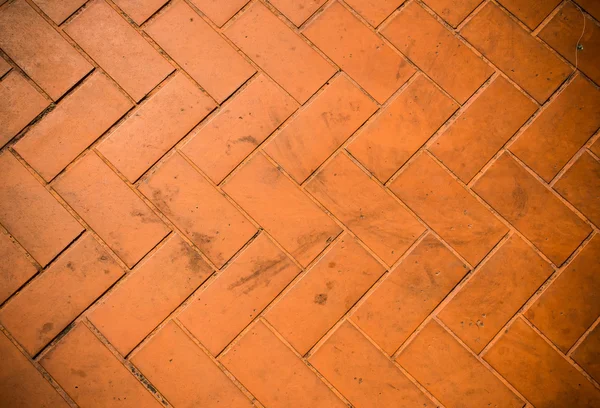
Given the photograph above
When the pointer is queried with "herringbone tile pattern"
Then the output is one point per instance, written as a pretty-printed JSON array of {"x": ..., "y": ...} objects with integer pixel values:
[{"x": 299, "y": 203}]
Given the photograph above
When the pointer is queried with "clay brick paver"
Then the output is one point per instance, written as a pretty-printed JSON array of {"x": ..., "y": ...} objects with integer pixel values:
[
  {"x": 40, "y": 50},
  {"x": 151, "y": 291},
  {"x": 538, "y": 371},
  {"x": 154, "y": 128},
  {"x": 359, "y": 52},
  {"x": 20, "y": 103},
  {"x": 45, "y": 307},
  {"x": 324, "y": 294},
  {"x": 409, "y": 294},
  {"x": 73, "y": 125},
  {"x": 300, "y": 203},
  {"x": 118, "y": 48},
  {"x": 437, "y": 51}
]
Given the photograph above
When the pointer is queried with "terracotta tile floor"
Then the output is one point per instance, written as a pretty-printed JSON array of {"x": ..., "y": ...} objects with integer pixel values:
[{"x": 299, "y": 203}]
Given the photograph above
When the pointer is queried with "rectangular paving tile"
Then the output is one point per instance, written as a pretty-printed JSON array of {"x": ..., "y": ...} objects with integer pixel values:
[
  {"x": 36, "y": 47},
  {"x": 362, "y": 373},
  {"x": 284, "y": 56},
  {"x": 15, "y": 269},
  {"x": 376, "y": 218},
  {"x": 282, "y": 209},
  {"x": 239, "y": 127},
  {"x": 327, "y": 291},
  {"x": 532, "y": 209},
  {"x": 31, "y": 214},
  {"x": 140, "y": 11},
  {"x": 298, "y": 11},
  {"x": 448, "y": 208},
  {"x": 539, "y": 372},
  {"x": 156, "y": 126},
  {"x": 219, "y": 11},
  {"x": 532, "y": 13},
  {"x": 21, "y": 384},
  {"x": 495, "y": 293},
  {"x": 52, "y": 301},
  {"x": 563, "y": 33},
  {"x": 561, "y": 129},
  {"x": 437, "y": 51},
  {"x": 569, "y": 306},
  {"x": 587, "y": 352},
  {"x": 120, "y": 50},
  {"x": 409, "y": 294},
  {"x": 483, "y": 128},
  {"x": 580, "y": 185},
  {"x": 73, "y": 125},
  {"x": 184, "y": 374},
  {"x": 111, "y": 208},
  {"x": 201, "y": 212},
  {"x": 401, "y": 128},
  {"x": 374, "y": 11},
  {"x": 239, "y": 294},
  {"x": 439, "y": 362},
  {"x": 59, "y": 10},
  {"x": 20, "y": 103},
  {"x": 75, "y": 364},
  {"x": 199, "y": 50},
  {"x": 4, "y": 66},
  {"x": 522, "y": 57},
  {"x": 371, "y": 62},
  {"x": 453, "y": 11},
  {"x": 273, "y": 373},
  {"x": 335, "y": 114},
  {"x": 149, "y": 294}
]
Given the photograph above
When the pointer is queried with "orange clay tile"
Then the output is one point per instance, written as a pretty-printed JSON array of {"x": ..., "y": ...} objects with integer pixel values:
[
  {"x": 20, "y": 103},
  {"x": 334, "y": 114},
  {"x": 40, "y": 50},
  {"x": 448, "y": 208},
  {"x": 568, "y": 307},
  {"x": 239, "y": 294},
  {"x": 374, "y": 11},
  {"x": 4, "y": 67},
  {"x": 298, "y": 11},
  {"x": 511, "y": 48},
  {"x": 450, "y": 372},
  {"x": 411, "y": 291},
  {"x": 586, "y": 354},
  {"x": 153, "y": 129},
  {"x": 239, "y": 127},
  {"x": 59, "y": 10},
  {"x": 496, "y": 291},
  {"x": 362, "y": 373},
  {"x": 483, "y": 128},
  {"x": 219, "y": 11},
  {"x": 372, "y": 63},
  {"x": 53, "y": 300},
  {"x": 199, "y": 50},
  {"x": 533, "y": 210},
  {"x": 437, "y": 51},
  {"x": 116, "y": 46},
  {"x": 185, "y": 374},
  {"x": 538, "y": 371},
  {"x": 31, "y": 214},
  {"x": 366, "y": 209},
  {"x": 274, "y": 374},
  {"x": 322, "y": 296},
  {"x": 150, "y": 293},
  {"x": 139, "y": 11},
  {"x": 531, "y": 13},
  {"x": 111, "y": 208},
  {"x": 396, "y": 133},
  {"x": 207, "y": 218},
  {"x": 74, "y": 364},
  {"x": 15, "y": 268},
  {"x": 280, "y": 52},
  {"x": 71, "y": 127},
  {"x": 285, "y": 212},
  {"x": 560, "y": 130},
  {"x": 453, "y": 11},
  {"x": 21, "y": 384}
]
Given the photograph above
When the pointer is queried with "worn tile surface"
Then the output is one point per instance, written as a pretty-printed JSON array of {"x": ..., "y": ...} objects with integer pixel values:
[{"x": 300, "y": 203}]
